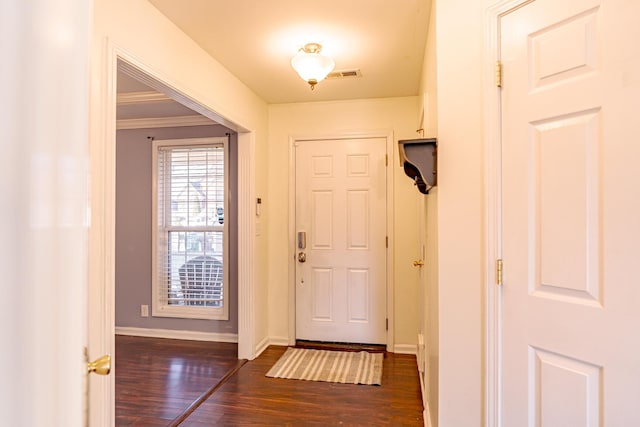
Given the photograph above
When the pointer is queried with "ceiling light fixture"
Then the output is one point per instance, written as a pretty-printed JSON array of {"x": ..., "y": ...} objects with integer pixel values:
[{"x": 310, "y": 65}]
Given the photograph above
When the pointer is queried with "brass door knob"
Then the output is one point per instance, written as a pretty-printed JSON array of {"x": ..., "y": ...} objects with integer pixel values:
[
  {"x": 418, "y": 263},
  {"x": 101, "y": 366}
]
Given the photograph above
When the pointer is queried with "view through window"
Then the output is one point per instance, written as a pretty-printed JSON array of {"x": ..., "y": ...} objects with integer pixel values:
[{"x": 190, "y": 240}]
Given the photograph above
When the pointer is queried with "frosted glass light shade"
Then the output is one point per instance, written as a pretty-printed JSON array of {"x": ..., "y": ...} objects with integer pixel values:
[{"x": 312, "y": 66}]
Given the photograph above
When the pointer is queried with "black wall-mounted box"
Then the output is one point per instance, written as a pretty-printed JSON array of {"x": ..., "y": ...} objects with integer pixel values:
[{"x": 419, "y": 158}]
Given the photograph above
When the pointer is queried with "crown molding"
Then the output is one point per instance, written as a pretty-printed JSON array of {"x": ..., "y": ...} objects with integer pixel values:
[
  {"x": 164, "y": 122},
  {"x": 148, "y": 97}
]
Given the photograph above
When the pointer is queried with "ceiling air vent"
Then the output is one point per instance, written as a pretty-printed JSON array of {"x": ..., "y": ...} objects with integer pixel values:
[{"x": 341, "y": 74}]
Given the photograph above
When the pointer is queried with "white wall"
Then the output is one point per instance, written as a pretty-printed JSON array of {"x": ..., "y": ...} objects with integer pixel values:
[
  {"x": 137, "y": 30},
  {"x": 398, "y": 115},
  {"x": 459, "y": 44}
]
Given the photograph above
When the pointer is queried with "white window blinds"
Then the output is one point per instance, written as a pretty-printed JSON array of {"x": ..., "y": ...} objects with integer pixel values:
[{"x": 191, "y": 242}]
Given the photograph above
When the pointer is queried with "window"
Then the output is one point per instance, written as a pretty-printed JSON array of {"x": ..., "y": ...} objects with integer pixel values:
[{"x": 190, "y": 234}]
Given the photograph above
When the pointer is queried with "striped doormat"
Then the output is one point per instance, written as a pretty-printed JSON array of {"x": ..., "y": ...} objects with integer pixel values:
[{"x": 346, "y": 367}]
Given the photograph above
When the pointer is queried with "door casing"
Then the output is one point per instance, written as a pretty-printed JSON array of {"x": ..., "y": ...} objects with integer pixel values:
[
  {"x": 101, "y": 325},
  {"x": 492, "y": 231},
  {"x": 388, "y": 135}
]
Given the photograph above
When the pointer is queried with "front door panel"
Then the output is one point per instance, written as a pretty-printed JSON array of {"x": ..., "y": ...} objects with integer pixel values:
[{"x": 341, "y": 267}]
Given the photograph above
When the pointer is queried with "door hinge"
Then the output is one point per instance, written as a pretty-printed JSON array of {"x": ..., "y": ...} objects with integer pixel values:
[
  {"x": 386, "y": 241},
  {"x": 499, "y": 272},
  {"x": 498, "y": 73},
  {"x": 386, "y": 324},
  {"x": 386, "y": 160}
]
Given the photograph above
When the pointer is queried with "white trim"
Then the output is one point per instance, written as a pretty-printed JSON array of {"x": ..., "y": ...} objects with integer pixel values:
[
  {"x": 292, "y": 242},
  {"x": 421, "y": 352},
  {"x": 493, "y": 220},
  {"x": 269, "y": 341},
  {"x": 102, "y": 211},
  {"x": 246, "y": 189},
  {"x": 176, "y": 334},
  {"x": 164, "y": 122},
  {"x": 101, "y": 277},
  {"x": 262, "y": 346},
  {"x": 280, "y": 341},
  {"x": 134, "y": 68},
  {"x": 426, "y": 416},
  {"x": 391, "y": 153},
  {"x": 388, "y": 135},
  {"x": 246, "y": 245},
  {"x": 492, "y": 311},
  {"x": 146, "y": 97},
  {"x": 158, "y": 236},
  {"x": 405, "y": 349}
]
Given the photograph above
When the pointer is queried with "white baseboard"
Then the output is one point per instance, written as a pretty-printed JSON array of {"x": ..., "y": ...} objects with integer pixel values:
[
  {"x": 282, "y": 341},
  {"x": 426, "y": 415},
  {"x": 262, "y": 346},
  {"x": 405, "y": 349},
  {"x": 177, "y": 335},
  {"x": 420, "y": 353}
]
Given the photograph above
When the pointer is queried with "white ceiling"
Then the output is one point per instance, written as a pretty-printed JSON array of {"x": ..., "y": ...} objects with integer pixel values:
[{"x": 256, "y": 39}]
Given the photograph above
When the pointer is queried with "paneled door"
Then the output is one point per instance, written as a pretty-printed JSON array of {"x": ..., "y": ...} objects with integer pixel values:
[
  {"x": 341, "y": 240},
  {"x": 570, "y": 213}
]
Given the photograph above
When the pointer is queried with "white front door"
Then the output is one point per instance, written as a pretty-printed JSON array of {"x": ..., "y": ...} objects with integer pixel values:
[
  {"x": 570, "y": 213},
  {"x": 341, "y": 260}
]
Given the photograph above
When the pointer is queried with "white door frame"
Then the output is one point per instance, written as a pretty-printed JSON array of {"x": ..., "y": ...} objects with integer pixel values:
[
  {"x": 102, "y": 230},
  {"x": 493, "y": 206},
  {"x": 292, "y": 224}
]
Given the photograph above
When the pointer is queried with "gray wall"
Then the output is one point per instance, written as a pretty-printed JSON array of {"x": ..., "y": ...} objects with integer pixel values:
[{"x": 133, "y": 230}]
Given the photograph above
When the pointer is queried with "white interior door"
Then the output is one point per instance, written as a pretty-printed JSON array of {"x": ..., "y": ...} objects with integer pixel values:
[
  {"x": 43, "y": 183},
  {"x": 341, "y": 209},
  {"x": 571, "y": 213}
]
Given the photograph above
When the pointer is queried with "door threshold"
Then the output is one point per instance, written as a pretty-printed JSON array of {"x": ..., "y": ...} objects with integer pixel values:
[{"x": 341, "y": 346}]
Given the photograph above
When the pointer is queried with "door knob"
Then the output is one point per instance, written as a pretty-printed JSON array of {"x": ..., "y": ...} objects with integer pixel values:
[
  {"x": 418, "y": 263},
  {"x": 302, "y": 257},
  {"x": 101, "y": 366}
]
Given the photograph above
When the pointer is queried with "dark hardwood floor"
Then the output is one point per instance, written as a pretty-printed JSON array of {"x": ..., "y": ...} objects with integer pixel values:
[
  {"x": 170, "y": 382},
  {"x": 158, "y": 379}
]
